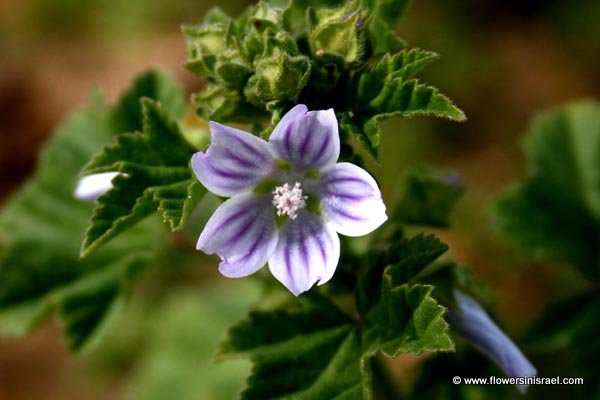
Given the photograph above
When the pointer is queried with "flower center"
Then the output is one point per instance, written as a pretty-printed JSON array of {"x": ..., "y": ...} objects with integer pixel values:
[{"x": 288, "y": 200}]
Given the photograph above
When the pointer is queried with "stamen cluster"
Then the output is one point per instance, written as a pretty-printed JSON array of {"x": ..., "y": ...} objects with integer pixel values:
[{"x": 288, "y": 201}]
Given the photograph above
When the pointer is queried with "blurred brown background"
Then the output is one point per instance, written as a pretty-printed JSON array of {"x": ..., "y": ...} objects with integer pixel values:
[{"x": 501, "y": 61}]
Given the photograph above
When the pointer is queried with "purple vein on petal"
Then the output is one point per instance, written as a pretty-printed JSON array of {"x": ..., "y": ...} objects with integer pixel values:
[
  {"x": 348, "y": 196},
  {"x": 229, "y": 174},
  {"x": 239, "y": 160},
  {"x": 345, "y": 214},
  {"x": 303, "y": 251},
  {"x": 321, "y": 151},
  {"x": 247, "y": 146},
  {"x": 343, "y": 179},
  {"x": 255, "y": 244},
  {"x": 307, "y": 137},
  {"x": 231, "y": 219},
  {"x": 314, "y": 233},
  {"x": 288, "y": 265},
  {"x": 240, "y": 232},
  {"x": 287, "y": 140}
]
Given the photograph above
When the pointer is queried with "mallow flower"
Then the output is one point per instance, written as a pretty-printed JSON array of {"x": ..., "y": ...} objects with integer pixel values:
[
  {"x": 472, "y": 322},
  {"x": 288, "y": 199}
]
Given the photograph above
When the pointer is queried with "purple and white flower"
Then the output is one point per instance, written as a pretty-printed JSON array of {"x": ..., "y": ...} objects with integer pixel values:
[
  {"x": 289, "y": 199},
  {"x": 472, "y": 322}
]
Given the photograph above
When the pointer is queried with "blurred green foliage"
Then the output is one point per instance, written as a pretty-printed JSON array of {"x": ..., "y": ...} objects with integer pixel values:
[
  {"x": 555, "y": 213},
  {"x": 165, "y": 342}
]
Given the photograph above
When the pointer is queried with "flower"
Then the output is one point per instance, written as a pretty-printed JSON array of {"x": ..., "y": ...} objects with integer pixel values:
[
  {"x": 289, "y": 199},
  {"x": 93, "y": 186},
  {"x": 475, "y": 325}
]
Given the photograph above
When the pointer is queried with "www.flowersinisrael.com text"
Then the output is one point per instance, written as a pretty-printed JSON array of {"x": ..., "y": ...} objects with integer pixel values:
[{"x": 525, "y": 380}]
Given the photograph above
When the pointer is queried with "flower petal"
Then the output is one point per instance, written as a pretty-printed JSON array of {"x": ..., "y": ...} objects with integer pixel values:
[
  {"x": 475, "y": 325},
  {"x": 307, "y": 139},
  {"x": 243, "y": 232},
  {"x": 235, "y": 161},
  {"x": 350, "y": 200},
  {"x": 92, "y": 186},
  {"x": 307, "y": 251}
]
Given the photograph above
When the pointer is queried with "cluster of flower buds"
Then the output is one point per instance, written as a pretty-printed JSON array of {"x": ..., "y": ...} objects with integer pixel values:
[{"x": 265, "y": 57}]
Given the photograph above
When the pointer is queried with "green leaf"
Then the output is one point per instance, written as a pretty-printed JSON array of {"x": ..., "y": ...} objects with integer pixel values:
[
  {"x": 126, "y": 115},
  {"x": 586, "y": 350},
  {"x": 572, "y": 325},
  {"x": 41, "y": 225},
  {"x": 311, "y": 349},
  {"x": 555, "y": 211},
  {"x": 407, "y": 320},
  {"x": 87, "y": 306},
  {"x": 385, "y": 15},
  {"x": 389, "y": 11},
  {"x": 385, "y": 89},
  {"x": 557, "y": 326},
  {"x": 428, "y": 198},
  {"x": 403, "y": 65},
  {"x": 404, "y": 260},
  {"x": 446, "y": 277},
  {"x": 400, "y": 98},
  {"x": 155, "y": 175},
  {"x": 177, "y": 359},
  {"x": 290, "y": 348}
]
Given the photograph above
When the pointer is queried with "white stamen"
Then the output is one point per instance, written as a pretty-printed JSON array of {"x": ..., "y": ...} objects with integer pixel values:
[{"x": 288, "y": 200}]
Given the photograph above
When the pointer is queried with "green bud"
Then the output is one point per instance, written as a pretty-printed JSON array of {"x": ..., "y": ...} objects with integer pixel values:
[
  {"x": 266, "y": 16},
  {"x": 217, "y": 103},
  {"x": 233, "y": 71},
  {"x": 204, "y": 43},
  {"x": 280, "y": 42},
  {"x": 252, "y": 46},
  {"x": 279, "y": 77},
  {"x": 337, "y": 32},
  {"x": 216, "y": 16}
]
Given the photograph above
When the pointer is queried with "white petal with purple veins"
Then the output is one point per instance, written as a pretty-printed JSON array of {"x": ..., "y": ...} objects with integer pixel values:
[
  {"x": 307, "y": 252},
  {"x": 243, "y": 232},
  {"x": 307, "y": 139},
  {"x": 476, "y": 326},
  {"x": 350, "y": 200},
  {"x": 235, "y": 162},
  {"x": 93, "y": 186}
]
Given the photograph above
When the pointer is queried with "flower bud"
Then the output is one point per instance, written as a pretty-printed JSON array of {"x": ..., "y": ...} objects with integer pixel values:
[
  {"x": 337, "y": 32},
  {"x": 279, "y": 77},
  {"x": 204, "y": 43},
  {"x": 217, "y": 103}
]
